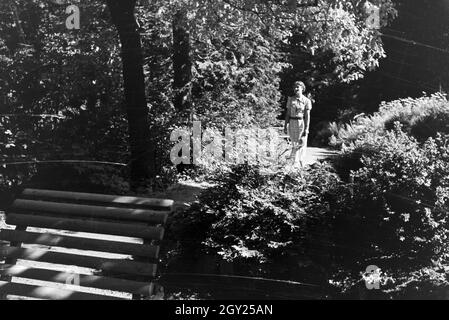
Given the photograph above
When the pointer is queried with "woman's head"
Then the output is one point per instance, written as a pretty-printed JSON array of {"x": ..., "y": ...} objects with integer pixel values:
[{"x": 299, "y": 88}]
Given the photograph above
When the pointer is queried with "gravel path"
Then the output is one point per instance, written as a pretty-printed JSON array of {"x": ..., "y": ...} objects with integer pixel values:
[{"x": 315, "y": 154}]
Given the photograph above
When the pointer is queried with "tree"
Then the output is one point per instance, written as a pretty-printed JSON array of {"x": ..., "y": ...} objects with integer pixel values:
[
  {"x": 142, "y": 150},
  {"x": 182, "y": 64},
  {"x": 63, "y": 91},
  {"x": 325, "y": 43},
  {"x": 230, "y": 53}
]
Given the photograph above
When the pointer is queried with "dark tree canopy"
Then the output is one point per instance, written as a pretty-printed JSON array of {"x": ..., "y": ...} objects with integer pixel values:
[{"x": 135, "y": 70}]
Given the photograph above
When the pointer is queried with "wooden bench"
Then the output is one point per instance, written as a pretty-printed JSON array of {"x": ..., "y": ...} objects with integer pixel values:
[{"x": 114, "y": 240}]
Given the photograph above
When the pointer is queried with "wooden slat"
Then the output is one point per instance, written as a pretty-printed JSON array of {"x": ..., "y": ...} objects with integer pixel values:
[
  {"x": 107, "y": 266},
  {"x": 135, "y": 287},
  {"x": 83, "y": 212},
  {"x": 122, "y": 214},
  {"x": 160, "y": 204},
  {"x": 119, "y": 229},
  {"x": 26, "y": 290},
  {"x": 47, "y": 239}
]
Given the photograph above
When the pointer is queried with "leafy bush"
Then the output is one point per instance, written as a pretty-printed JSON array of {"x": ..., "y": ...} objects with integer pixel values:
[
  {"x": 222, "y": 150},
  {"x": 422, "y": 118},
  {"x": 265, "y": 218},
  {"x": 392, "y": 213},
  {"x": 397, "y": 214}
]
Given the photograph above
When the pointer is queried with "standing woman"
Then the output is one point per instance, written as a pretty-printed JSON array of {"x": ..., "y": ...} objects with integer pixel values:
[{"x": 297, "y": 121}]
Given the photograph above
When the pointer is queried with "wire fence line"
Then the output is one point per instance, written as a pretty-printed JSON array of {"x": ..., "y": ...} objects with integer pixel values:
[{"x": 63, "y": 161}]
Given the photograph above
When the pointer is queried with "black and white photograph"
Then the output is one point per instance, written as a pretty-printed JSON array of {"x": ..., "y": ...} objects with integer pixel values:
[{"x": 218, "y": 157}]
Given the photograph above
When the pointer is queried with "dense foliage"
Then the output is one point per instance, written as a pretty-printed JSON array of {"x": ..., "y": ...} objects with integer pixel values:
[
  {"x": 60, "y": 90},
  {"x": 388, "y": 208},
  {"x": 398, "y": 211},
  {"x": 261, "y": 218},
  {"x": 62, "y": 96},
  {"x": 384, "y": 202},
  {"x": 421, "y": 118}
]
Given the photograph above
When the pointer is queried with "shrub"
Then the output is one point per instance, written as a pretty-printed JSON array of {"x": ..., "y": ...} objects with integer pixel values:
[
  {"x": 397, "y": 214},
  {"x": 222, "y": 150},
  {"x": 422, "y": 118},
  {"x": 391, "y": 213},
  {"x": 263, "y": 218}
]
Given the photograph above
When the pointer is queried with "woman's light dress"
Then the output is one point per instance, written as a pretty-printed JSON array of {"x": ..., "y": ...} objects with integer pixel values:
[{"x": 296, "y": 108}]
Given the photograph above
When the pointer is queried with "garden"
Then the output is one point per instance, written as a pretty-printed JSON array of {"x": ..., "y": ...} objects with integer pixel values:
[{"x": 82, "y": 112}]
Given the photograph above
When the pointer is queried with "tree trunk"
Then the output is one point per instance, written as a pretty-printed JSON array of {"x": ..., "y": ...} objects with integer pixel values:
[
  {"x": 182, "y": 65},
  {"x": 142, "y": 150},
  {"x": 20, "y": 32}
]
